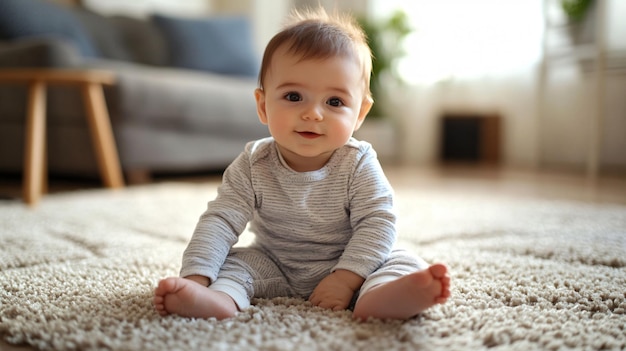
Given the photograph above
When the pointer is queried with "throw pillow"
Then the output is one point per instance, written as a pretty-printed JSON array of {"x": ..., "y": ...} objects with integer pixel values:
[
  {"x": 221, "y": 44},
  {"x": 142, "y": 39},
  {"x": 37, "y": 18},
  {"x": 104, "y": 34}
]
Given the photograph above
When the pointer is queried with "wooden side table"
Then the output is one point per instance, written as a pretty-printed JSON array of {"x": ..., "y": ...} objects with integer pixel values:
[{"x": 90, "y": 82}]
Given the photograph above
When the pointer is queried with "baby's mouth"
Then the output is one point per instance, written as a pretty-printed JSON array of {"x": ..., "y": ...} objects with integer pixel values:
[{"x": 309, "y": 135}]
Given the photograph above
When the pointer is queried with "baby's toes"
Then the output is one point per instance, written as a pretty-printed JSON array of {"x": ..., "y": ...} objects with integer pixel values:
[{"x": 438, "y": 270}]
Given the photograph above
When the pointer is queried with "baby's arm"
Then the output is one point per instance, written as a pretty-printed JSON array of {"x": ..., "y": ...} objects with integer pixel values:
[
  {"x": 336, "y": 290},
  {"x": 221, "y": 224},
  {"x": 373, "y": 222},
  {"x": 372, "y": 219}
]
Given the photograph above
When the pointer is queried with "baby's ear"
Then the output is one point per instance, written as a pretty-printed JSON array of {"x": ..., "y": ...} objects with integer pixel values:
[
  {"x": 259, "y": 96},
  {"x": 366, "y": 106}
]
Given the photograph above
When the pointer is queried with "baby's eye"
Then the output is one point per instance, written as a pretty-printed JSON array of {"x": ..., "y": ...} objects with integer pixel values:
[
  {"x": 336, "y": 102},
  {"x": 291, "y": 96}
]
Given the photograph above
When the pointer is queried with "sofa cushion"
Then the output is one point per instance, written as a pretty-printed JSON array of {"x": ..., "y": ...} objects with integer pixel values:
[
  {"x": 105, "y": 35},
  {"x": 172, "y": 98},
  {"x": 36, "y": 18},
  {"x": 125, "y": 38},
  {"x": 142, "y": 39},
  {"x": 222, "y": 44}
]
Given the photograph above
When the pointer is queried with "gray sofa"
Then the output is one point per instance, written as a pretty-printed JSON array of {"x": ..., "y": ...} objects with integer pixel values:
[{"x": 183, "y": 100}]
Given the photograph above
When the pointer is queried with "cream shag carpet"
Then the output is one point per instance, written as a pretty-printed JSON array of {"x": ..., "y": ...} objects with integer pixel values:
[{"x": 77, "y": 273}]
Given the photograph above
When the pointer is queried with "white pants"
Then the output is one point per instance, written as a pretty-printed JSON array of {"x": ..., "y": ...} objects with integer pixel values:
[{"x": 251, "y": 272}]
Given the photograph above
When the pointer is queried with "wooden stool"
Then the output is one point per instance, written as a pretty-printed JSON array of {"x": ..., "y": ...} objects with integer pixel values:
[{"x": 90, "y": 82}]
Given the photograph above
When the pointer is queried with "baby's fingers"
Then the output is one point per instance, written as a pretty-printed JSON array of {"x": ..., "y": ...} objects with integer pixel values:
[
  {"x": 333, "y": 304},
  {"x": 319, "y": 300},
  {"x": 324, "y": 303},
  {"x": 314, "y": 300}
]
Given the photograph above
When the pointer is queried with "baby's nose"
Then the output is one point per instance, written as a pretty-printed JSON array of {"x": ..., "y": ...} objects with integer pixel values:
[{"x": 312, "y": 114}]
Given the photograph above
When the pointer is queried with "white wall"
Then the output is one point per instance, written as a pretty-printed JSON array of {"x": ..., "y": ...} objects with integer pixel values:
[{"x": 420, "y": 109}]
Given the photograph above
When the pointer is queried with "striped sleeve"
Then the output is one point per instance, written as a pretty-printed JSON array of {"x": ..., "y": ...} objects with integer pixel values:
[
  {"x": 221, "y": 224},
  {"x": 372, "y": 218}
]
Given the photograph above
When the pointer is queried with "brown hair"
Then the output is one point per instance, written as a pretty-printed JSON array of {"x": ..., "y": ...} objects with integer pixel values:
[{"x": 313, "y": 34}]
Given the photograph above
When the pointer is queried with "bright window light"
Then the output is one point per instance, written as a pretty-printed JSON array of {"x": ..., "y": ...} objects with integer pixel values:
[{"x": 466, "y": 39}]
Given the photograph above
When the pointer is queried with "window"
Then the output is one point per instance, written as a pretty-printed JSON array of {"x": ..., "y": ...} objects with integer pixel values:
[{"x": 461, "y": 39}]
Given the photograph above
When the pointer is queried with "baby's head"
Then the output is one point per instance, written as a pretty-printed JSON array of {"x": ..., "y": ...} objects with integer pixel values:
[
  {"x": 316, "y": 35},
  {"x": 314, "y": 87}
]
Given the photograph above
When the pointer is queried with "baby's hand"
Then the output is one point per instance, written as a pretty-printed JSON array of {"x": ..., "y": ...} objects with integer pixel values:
[{"x": 336, "y": 290}]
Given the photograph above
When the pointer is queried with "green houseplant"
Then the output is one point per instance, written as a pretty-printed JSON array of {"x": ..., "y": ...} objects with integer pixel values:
[
  {"x": 385, "y": 38},
  {"x": 575, "y": 10},
  {"x": 580, "y": 20}
]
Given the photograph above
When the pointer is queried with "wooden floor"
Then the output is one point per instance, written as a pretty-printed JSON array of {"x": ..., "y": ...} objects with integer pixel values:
[
  {"x": 550, "y": 184},
  {"x": 513, "y": 182}
]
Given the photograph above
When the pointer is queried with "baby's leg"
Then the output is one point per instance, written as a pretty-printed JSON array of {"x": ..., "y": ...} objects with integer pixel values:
[
  {"x": 247, "y": 272},
  {"x": 406, "y": 296},
  {"x": 187, "y": 298}
]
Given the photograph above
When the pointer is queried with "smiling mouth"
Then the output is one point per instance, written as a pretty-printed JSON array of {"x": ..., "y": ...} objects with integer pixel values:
[{"x": 309, "y": 135}]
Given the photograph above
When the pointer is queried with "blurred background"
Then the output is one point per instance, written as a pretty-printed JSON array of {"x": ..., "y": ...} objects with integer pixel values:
[
  {"x": 559, "y": 85},
  {"x": 521, "y": 84}
]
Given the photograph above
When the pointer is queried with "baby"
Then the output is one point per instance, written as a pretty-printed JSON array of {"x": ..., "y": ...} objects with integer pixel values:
[{"x": 317, "y": 199}]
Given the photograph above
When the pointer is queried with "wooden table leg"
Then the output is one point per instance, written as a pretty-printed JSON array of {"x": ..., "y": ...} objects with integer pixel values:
[
  {"x": 34, "y": 147},
  {"x": 35, "y": 158},
  {"x": 102, "y": 135}
]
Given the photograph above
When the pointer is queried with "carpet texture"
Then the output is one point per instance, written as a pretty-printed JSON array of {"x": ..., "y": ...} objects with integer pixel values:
[{"x": 77, "y": 273}]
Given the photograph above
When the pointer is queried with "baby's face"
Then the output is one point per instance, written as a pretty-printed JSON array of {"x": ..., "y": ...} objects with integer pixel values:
[{"x": 311, "y": 107}]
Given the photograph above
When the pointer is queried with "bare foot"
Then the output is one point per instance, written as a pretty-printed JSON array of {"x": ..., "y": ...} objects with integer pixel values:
[
  {"x": 406, "y": 296},
  {"x": 187, "y": 298}
]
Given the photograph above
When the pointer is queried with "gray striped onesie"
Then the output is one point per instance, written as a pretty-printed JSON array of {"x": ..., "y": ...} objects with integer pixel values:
[{"x": 307, "y": 224}]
